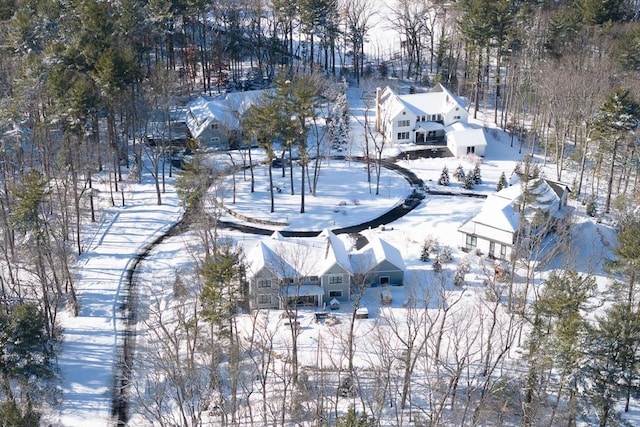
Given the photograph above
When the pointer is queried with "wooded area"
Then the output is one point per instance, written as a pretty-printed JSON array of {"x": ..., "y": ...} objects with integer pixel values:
[{"x": 81, "y": 80}]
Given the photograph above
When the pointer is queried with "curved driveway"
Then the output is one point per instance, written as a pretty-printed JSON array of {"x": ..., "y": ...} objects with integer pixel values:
[{"x": 393, "y": 214}]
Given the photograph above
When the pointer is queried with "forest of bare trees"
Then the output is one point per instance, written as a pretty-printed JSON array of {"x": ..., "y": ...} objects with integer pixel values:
[{"x": 80, "y": 82}]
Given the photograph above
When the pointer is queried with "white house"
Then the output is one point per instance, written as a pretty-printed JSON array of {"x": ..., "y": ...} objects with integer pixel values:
[
  {"x": 418, "y": 118},
  {"x": 494, "y": 231},
  {"x": 314, "y": 271}
]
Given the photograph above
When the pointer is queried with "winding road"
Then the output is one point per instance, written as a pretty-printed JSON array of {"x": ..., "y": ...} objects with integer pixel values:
[{"x": 128, "y": 298}]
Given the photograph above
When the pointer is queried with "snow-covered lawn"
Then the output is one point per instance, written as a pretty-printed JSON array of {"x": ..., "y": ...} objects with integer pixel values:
[{"x": 344, "y": 198}]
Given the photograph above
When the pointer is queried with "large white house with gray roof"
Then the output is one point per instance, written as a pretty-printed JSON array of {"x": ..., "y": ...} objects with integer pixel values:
[{"x": 437, "y": 117}]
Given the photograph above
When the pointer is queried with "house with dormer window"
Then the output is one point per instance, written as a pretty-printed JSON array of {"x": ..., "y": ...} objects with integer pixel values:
[
  {"x": 313, "y": 271},
  {"x": 436, "y": 117}
]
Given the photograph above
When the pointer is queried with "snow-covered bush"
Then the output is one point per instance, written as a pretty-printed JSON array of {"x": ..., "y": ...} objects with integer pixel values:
[
  {"x": 468, "y": 181},
  {"x": 458, "y": 174},
  {"x": 444, "y": 176}
]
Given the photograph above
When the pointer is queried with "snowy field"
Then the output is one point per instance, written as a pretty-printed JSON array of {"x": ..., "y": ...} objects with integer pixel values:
[{"x": 344, "y": 198}]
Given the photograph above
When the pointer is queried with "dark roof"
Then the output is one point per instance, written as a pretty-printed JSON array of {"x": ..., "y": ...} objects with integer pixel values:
[{"x": 558, "y": 187}]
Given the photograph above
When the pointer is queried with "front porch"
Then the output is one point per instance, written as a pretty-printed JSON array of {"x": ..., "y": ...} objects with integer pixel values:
[
  {"x": 429, "y": 133},
  {"x": 302, "y": 295}
]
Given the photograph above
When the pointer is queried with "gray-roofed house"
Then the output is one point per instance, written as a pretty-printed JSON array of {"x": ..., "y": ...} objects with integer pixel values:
[
  {"x": 305, "y": 271},
  {"x": 495, "y": 229},
  {"x": 378, "y": 263},
  {"x": 215, "y": 121},
  {"x": 418, "y": 118},
  {"x": 312, "y": 271}
]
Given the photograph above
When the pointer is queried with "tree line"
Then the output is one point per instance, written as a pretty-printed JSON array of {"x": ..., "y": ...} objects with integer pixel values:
[{"x": 80, "y": 81}]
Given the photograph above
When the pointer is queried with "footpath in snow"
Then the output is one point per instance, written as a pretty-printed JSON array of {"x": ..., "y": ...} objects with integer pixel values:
[{"x": 88, "y": 352}]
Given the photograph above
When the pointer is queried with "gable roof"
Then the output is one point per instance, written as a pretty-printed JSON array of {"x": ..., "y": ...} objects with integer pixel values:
[
  {"x": 467, "y": 137},
  {"x": 374, "y": 253},
  {"x": 204, "y": 111},
  {"x": 262, "y": 256},
  {"x": 436, "y": 101},
  {"x": 226, "y": 110},
  {"x": 315, "y": 255},
  {"x": 500, "y": 210}
]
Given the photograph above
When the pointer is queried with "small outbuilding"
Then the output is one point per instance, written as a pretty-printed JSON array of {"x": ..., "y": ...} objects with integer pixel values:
[{"x": 463, "y": 140}]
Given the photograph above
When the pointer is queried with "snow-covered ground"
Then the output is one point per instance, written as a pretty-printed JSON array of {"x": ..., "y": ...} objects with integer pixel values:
[{"x": 88, "y": 352}]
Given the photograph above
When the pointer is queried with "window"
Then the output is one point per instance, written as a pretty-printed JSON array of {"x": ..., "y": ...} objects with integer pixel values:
[
  {"x": 456, "y": 117},
  {"x": 214, "y": 126},
  {"x": 335, "y": 294},
  {"x": 215, "y": 139},
  {"x": 431, "y": 134},
  {"x": 471, "y": 150},
  {"x": 335, "y": 279},
  {"x": 503, "y": 251},
  {"x": 384, "y": 280},
  {"x": 434, "y": 117},
  {"x": 403, "y": 135},
  {"x": 404, "y": 123},
  {"x": 492, "y": 248},
  {"x": 313, "y": 278},
  {"x": 472, "y": 242},
  {"x": 264, "y": 299},
  {"x": 264, "y": 283}
]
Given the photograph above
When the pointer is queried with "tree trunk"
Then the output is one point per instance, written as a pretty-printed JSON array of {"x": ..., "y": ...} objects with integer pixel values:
[{"x": 607, "y": 203}]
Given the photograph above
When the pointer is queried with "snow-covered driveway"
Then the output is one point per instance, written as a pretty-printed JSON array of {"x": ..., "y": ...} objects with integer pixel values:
[{"x": 89, "y": 349}]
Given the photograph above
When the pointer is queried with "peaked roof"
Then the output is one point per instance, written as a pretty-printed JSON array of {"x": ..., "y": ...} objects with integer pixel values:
[
  {"x": 374, "y": 253},
  {"x": 500, "y": 210},
  {"x": 227, "y": 110},
  {"x": 436, "y": 101},
  {"x": 263, "y": 256},
  {"x": 315, "y": 255},
  {"x": 204, "y": 111}
]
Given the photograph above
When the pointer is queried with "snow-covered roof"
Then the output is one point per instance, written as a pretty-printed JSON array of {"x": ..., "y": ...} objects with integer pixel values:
[
  {"x": 429, "y": 126},
  {"x": 436, "y": 101},
  {"x": 303, "y": 290},
  {"x": 227, "y": 110},
  {"x": 497, "y": 212},
  {"x": 298, "y": 257},
  {"x": 374, "y": 253},
  {"x": 240, "y": 102},
  {"x": 468, "y": 137},
  {"x": 204, "y": 111},
  {"x": 263, "y": 256},
  {"x": 500, "y": 210}
]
